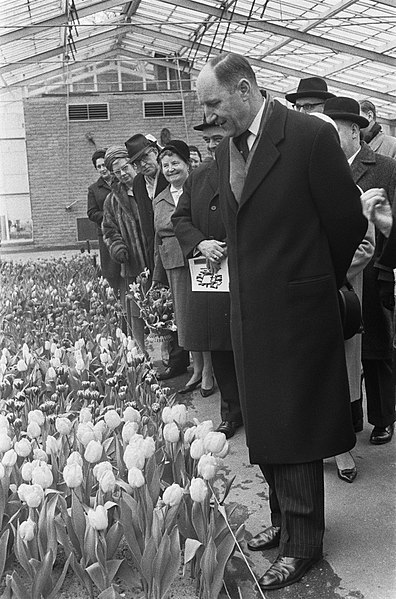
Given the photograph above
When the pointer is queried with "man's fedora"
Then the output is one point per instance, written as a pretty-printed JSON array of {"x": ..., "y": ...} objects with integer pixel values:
[
  {"x": 137, "y": 145},
  {"x": 204, "y": 125},
  {"x": 311, "y": 87},
  {"x": 345, "y": 109}
]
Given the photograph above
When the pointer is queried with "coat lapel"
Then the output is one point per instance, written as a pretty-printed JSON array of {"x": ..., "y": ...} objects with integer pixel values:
[{"x": 363, "y": 161}]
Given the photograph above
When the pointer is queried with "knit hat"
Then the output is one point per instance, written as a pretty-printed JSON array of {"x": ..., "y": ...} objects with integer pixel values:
[
  {"x": 112, "y": 154},
  {"x": 179, "y": 147}
]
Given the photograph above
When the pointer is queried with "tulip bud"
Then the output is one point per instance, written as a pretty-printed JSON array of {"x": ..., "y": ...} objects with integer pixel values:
[
  {"x": 207, "y": 467},
  {"x": 134, "y": 456},
  {"x": 203, "y": 429},
  {"x": 167, "y": 415},
  {"x": 5, "y": 441},
  {"x": 75, "y": 458},
  {"x": 172, "y": 495},
  {"x": 93, "y": 452},
  {"x": 171, "y": 432},
  {"x": 23, "y": 447},
  {"x": 198, "y": 489},
  {"x": 33, "y": 430},
  {"x": 112, "y": 419},
  {"x": 63, "y": 425},
  {"x": 135, "y": 477},
  {"x": 73, "y": 475},
  {"x": 189, "y": 435},
  {"x": 52, "y": 445},
  {"x": 197, "y": 449},
  {"x": 34, "y": 495},
  {"x": 179, "y": 414},
  {"x": 107, "y": 482},
  {"x": 26, "y": 471},
  {"x": 98, "y": 517},
  {"x": 148, "y": 446},
  {"x": 85, "y": 433},
  {"x": 214, "y": 442},
  {"x": 85, "y": 415},
  {"x": 9, "y": 458},
  {"x": 100, "y": 469},
  {"x": 42, "y": 475},
  {"x": 129, "y": 430},
  {"x": 131, "y": 415},
  {"x": 27, "y": 530}
]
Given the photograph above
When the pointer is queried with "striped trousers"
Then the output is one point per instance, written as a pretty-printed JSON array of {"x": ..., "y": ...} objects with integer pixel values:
[{"x": 296, "y": 498}]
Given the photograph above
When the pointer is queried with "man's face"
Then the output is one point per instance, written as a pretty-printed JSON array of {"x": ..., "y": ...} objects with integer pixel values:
[
  {"x": 124, "y": 171},
  {"x": 212, "y": 136},
  {"x": 370, "y": 117},
  {"x": 147, "y": 163},
  {"x": 227, "y": 109},
  {"x": 309, "y": 104},
  {"x": 349, "y": 134},
  {"x": 102, "y": 170}
]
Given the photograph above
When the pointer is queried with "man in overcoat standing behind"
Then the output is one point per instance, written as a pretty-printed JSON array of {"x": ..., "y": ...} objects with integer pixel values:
[{"x": 293, "y": 221}]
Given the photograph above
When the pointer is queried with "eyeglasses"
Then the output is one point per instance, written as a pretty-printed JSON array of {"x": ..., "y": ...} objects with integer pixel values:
[
  {"x": 122, "y": 169},
  {"x": 143, "y": 158},
  {"x": 306, "y": 107}
]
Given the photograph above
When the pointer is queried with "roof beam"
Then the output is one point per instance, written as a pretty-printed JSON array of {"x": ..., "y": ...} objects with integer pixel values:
[
  {"x": 293, "y": 34},
  {"x": 85, "y": 11}
]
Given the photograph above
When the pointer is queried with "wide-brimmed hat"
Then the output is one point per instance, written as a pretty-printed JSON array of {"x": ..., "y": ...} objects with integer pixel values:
[
  {"x": 345, "y": 109},
  {"x": 311, "y": 87},
  {"x": 179, "y": 147},
  {"x": 137, "y": 145}
]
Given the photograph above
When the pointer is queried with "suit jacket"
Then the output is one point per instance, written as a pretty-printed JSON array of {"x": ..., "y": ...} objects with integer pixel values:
[
  {"x": 370, "y": 169},
  {"x": 291, "y": 239},
  {"x": 197, "y": 217}
]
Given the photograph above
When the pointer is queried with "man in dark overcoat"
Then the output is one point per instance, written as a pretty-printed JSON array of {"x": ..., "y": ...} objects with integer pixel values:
[
  {"x": 97, "y": 193},
  {"x": 369, "y": 170},
  {"x": 293, "y": 221}
]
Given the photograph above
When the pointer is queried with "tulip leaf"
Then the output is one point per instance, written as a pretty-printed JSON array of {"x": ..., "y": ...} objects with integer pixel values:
[
  {"x": 90, "y": 545},
  {"x": 171, "y": 562},
  {"x": 17, "y": 586},
  {"x": 78, "y": 518},
  {"x": 60, "y": 580},
  {"x": 113, "y": 538},
  {"x": 112, "y": 567},
  {"x": 43, "y": 579},
  {"x": 95, "y": 572},
  {"x": 82, "y": 574},
  {"x": 129, "y": 532},
  {"x": 190, "y": 549},
  {"x": 209, "y": 565},
  {"x": 147, "y": 560},
  {"x": 160, "y": 561},
  {"x": 223, "y": 553},
  {"x": 198, "y": 521},
  {"x": 21, "y": 554},
  {"x": 3, "y": 550},
  {"x": 110, "y": 593},
  {"x": 128, "y": 574}
]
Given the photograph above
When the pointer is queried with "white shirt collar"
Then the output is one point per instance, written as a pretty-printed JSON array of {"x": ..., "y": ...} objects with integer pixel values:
[
  {"x": 255, "y": 126},
  {"x": 352, "y": 158}
]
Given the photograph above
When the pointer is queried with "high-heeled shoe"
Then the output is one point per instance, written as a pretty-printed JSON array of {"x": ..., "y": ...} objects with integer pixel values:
[
  {"x": 347, "y": 474},
  {"x": 206, "y": 392},
  {"x": 190, "y": 387}
]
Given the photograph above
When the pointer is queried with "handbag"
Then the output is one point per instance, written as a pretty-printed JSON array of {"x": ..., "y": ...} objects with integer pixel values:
[{"x": 351, "y": 311}]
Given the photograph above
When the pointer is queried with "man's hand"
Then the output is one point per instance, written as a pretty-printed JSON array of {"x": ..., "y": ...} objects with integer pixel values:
[
  {"x": 213, "y": 250},
  {"x": 377, "y": 209}
]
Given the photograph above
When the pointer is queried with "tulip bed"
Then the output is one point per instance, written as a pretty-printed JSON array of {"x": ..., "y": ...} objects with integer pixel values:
[{"x": 101, "y": 473}]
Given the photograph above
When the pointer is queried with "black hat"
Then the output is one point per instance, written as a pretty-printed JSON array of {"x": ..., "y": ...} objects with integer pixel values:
[
  {"x": 311, "y": 87},
  {"x": 137, "y": 145},
  {"x": 179, "y": 147},
  {"x": 204, "y": 125},
  {"x": 345, "y": 109}
]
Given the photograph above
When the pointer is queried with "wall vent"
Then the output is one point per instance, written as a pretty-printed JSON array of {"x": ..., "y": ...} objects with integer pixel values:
[
  {"x": 88, "y": 112},
  {"x": 161, "y": 109}
]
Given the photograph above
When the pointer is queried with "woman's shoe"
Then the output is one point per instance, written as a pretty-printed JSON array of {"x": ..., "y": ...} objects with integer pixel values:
[
  {"x": 190, "y": 387},
  {"x": 348, "y": 475},
  {"x": 206, "y": 392}
]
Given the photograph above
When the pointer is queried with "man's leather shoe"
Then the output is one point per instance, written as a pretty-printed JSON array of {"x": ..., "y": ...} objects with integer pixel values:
[
  {"x": 381, "y": 434},
  {"x": 267, "y": 539},
  {"x": 285, "y": 571},
  {"x": 170, "y": 373},
  {"x": 228, "y": 428}
]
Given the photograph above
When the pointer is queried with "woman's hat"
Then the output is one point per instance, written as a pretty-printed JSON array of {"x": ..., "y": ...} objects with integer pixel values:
[
  {"x": 345, "y": 109},
  {"x": 311, "y": 87},
  {"x": 137, "y": 145},
  {"x": 179, "y": 147}
]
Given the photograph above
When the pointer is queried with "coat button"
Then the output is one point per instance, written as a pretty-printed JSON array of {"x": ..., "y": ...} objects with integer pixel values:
[{"x": 213, "y": 207}]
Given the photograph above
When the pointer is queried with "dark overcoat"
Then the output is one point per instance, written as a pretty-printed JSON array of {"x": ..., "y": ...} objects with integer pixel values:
[
  {"x": 97, "y": 193},
  {"x": 291, "y": 239},
  {"x": 197, "y": 217},
  {"x": 373, "y": 170}
]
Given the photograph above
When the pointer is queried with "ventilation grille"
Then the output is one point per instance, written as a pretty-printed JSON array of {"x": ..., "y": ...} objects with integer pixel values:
[
  {"x": 161, "y": 109},
  {"x": 88, "y": 112}
]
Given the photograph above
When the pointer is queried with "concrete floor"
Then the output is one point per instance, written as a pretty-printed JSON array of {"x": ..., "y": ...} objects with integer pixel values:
[{"x": 359, "y": 548}]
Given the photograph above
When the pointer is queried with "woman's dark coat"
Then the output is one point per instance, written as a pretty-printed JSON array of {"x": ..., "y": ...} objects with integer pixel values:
[
  {"x": 197, "y": 217},
  {"x": 290, "y": 240}
]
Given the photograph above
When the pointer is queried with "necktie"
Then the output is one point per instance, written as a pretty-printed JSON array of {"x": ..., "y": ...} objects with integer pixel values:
[{"x": 242, "y": 145}]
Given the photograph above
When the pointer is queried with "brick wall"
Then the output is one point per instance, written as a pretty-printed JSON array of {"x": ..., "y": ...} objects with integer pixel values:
[{"x": 59, "y": 152}]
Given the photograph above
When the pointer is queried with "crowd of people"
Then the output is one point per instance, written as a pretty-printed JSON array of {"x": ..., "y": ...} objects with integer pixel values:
[{"x": 291, "y": 207}]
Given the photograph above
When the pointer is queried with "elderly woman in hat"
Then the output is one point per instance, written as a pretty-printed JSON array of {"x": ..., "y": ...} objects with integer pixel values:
[
  {"x": 128, "y": 232},
  {"x": 174, "y": 160}
]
